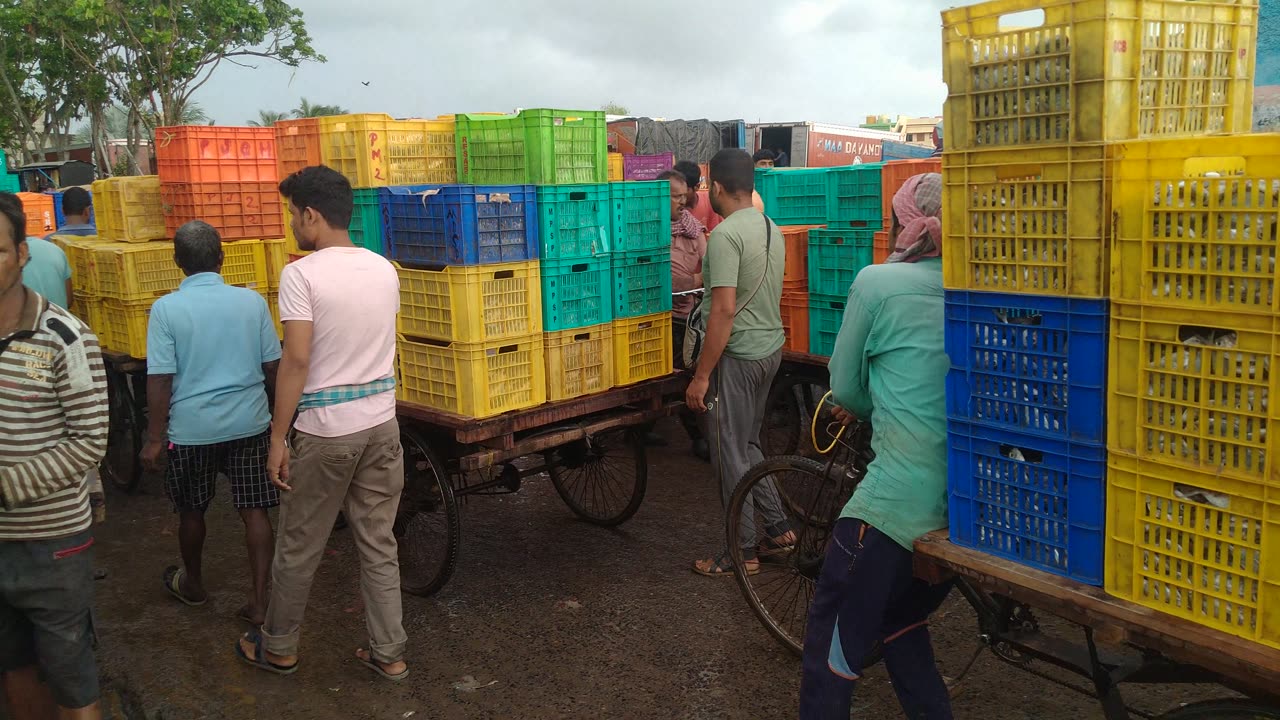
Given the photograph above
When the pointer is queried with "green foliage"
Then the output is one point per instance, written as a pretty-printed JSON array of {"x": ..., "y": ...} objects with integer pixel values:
[
  {"x": 613, "y": 108},
  {"x": 306, "y": 110},
  {"x": 267, "y": 118}
]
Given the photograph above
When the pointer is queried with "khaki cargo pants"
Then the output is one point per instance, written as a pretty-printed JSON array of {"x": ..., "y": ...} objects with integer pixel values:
[{"x": 361, "y": 474}]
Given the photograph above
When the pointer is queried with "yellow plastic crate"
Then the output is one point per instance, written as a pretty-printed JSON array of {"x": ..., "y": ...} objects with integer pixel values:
[
  {"x": 276, "y": 252},
  {"x": 615, "y": 167},
  {"x": 641, "y": 348},
  {"x": 89, "y": 309},
  {"x": 1198, "y": 546},
  {"x": 579, "y": 361},
  {"x": 1030, "y": 220},
  {"x": 1032, "y": 72},
  {"x": 273, "y": 302},
  {"x": 1196, "y": 391},
  {"x": 124, "y": 327},
  {"x": 374, "y": 150},
  {"x": 128, "y": 209},
  {"x": 472, "y": 303},
  {"x": 473, "y": 379},
  {"x": 1196, "y": 223},
  {"x": 78, "y": 249},
  {"x": 131, "y": 272}
]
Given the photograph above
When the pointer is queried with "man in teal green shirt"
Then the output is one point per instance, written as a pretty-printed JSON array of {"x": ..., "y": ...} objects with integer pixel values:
[
  {"x": 889, "y": 367},
  {"x": 742, "y": 350}
]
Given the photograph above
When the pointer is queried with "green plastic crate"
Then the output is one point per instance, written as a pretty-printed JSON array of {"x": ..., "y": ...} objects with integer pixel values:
[
  {"x": 853, "y": 197},
  {"x": 640, "y": 215},
  {"x": 835, "y": 259},
  {"x": 826, "y": 315},
  {"x": 575, "y": 293},
  {"x": 794, "y": 196},
  {"x": 366, "y": 221},
  {"x": 9, "y": 182},
  {"x": 573, "y": 222},
  {"x": 540, "y": 147},
  {"x": 641, "y": 283}
]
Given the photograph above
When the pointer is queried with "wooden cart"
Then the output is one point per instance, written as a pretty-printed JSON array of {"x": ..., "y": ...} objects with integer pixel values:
[
  {"x": 591, "y": 447},
  {"x": 1120, "y": 642},
  {"x": 127, "y": 403}
]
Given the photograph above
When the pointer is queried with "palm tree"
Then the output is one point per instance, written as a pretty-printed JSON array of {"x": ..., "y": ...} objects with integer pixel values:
[
  {"x": 306, "y": 110},
  {"x": 267, "y": 118}
]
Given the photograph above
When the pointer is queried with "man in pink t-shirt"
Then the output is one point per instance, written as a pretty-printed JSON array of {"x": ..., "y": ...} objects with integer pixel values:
[{"x": 338, "y": 306}]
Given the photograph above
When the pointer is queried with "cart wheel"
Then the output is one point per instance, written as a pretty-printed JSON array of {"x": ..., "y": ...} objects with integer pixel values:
[
  {"x": 797, "y": 491},
  {"x": 122, "y": 466},
  {"x": 1224, "y": 710},
  {"x": 602, "y": 478},
  {"x": 428, "y": 526}
]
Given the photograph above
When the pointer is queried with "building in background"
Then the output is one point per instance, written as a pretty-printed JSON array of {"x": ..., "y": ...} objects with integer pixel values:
[
  {"x": 883, "y": 123},
  {"x": 917, "y": 131}
]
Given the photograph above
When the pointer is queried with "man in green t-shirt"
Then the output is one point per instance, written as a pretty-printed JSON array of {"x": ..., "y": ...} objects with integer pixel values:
[{"x": 742, "y": 349}]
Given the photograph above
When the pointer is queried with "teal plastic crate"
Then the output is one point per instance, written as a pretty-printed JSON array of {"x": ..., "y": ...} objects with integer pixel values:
[
  {"x": 826, "y": 315},
  {"x": 9, "y": 182},
  {"x": 576, "y": 293},
  {"x": 836, "y": 257},
  {"x": 853, "y": 197},
  {"x": 366, "y": 221},
  {"x": 640, "y": 215},
  {"x": 573, "y": 221},
  {"x": 540, "y": 147},
  {"x": 641, "y": 283},
  {"x": 794, "y": 196}
]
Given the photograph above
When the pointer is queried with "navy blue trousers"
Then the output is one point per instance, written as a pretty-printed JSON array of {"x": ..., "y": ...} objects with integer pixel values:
[{"x": 867, "y": 594}]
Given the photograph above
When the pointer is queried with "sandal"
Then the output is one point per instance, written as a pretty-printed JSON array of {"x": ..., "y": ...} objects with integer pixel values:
[
  {"x": 374, "y": 666},
  {"x": 259, "y": 659},
  {"x": 243, "y": 616},
  {"x": 173, "y": 576},
  {"x": 721, "y": 567}
]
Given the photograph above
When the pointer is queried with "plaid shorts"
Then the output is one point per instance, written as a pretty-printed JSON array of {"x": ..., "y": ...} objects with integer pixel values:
[{"x": 192, "y": 474}]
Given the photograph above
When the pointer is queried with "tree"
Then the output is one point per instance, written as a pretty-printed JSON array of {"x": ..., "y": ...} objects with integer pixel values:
[
  {"x": 267, "y": 118},
  {"x": 613, "y": 108},
  {"x": 155, "y": 54},
  {"x": 306, "y": 110}
]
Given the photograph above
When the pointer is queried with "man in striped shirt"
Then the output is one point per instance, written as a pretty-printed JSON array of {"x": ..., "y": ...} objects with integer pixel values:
[{"x": 53, "y": 428}]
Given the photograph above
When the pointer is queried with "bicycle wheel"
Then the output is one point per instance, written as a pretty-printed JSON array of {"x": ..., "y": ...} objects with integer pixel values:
[
  {"x": 602, "y": 478},
  {"x": 121, "y": 466},
  {"x": 795, "y": 491},
  {"x": 428, "y": 526},
  {"x": 1236, "y": 709}
]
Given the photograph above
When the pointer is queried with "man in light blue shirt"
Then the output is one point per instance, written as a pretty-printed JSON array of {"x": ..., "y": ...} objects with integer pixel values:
[
  {"x": 48, "y": 272},
  {"x": 212, "y": 357}
]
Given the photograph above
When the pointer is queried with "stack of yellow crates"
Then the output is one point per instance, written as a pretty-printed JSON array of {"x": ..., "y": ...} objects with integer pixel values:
[{"x": 1101, "y": 200}]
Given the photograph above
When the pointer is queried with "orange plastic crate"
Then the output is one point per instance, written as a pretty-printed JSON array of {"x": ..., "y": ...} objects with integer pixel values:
[
  {"x": 881, "y": 249},
  {"x": 895, "y": 174},
  {"x": 39, "y": 210},
  {"x": 795, "y": 320},
  {"x": 210, "y": 153},
  {"x": 797, "y": 239},
  {"x": 297, "y": 145},
  {"x": 237, "y": 211}
]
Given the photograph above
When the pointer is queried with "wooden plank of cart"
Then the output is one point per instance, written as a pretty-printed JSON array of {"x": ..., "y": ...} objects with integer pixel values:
[
  {"x": 1122, "y": 642},
  {"x": 592, "y": 447},
  {"x": 127, "y": 418}
]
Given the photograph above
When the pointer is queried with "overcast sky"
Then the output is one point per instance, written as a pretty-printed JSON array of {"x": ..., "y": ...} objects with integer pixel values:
[{"x": 823, "y": 60}]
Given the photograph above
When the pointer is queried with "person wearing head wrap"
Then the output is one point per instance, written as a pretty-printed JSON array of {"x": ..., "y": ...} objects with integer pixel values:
[{"x": 889, "y": 367}]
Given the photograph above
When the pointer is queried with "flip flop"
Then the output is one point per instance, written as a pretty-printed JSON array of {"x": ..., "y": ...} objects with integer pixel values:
[
  {"x": 259, "y": 659},
  {"x": 378, "y": 668},
  {"x": 173, "y": 584},
  {"x": 721, "y": 567},
  {"x": 243, "y": 616}
]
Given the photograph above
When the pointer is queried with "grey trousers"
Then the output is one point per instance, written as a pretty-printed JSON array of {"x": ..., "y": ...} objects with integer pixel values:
[{"x": 737, "y": 400}]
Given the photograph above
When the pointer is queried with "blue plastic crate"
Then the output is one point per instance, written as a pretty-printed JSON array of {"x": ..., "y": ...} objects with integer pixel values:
[
  {"x": 58, "y": 215},
  {"x": 576, "y": 293},
  {"x": 853, "y": 197},
  {"x": 1033, "y": 500},
  {"x": 826, "y": 315},
  {"x": 641, "y": 283},
  {"x": 573, "y": 221},
  {"x": 439, "y": 225},
  {"x": 836, "y": 257},
  {"x": 1028, "y": 363},
  {"x": 794, "y": 196},
  {"x": 640, "y": 216}
]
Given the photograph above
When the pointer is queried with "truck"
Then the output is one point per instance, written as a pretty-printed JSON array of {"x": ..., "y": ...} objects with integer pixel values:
[{"x": 814, "y": 144}]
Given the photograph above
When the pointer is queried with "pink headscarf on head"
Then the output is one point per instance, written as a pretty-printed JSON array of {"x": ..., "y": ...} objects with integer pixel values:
[{"x": 918, "y": 205}]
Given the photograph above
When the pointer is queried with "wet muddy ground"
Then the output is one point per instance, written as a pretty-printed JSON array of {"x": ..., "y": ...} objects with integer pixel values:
[{"x": 546, "y": 617}]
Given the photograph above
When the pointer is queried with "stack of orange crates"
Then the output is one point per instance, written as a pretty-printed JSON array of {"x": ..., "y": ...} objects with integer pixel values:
[
  {"x": 225, "y": 176},
  {"x": 795, "y": 287},
  {"x": 39, "y": 210}
]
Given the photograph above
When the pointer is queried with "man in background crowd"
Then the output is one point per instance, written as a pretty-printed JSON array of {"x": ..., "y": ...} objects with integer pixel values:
[
  {"x": 764, "y": 159},
  {"x": 76, "y": 208},
  {"x": 688, "y": 247},
  {"x": 53, "y": 429},
  {"x": 211, "y": 349}
]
